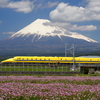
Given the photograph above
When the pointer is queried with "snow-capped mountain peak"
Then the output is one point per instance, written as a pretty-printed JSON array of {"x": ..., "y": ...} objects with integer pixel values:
[{"x": 40, "y": 29}]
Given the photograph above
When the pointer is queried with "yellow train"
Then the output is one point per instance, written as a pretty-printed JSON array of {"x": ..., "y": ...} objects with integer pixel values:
[{"x": 50, "y": 60}]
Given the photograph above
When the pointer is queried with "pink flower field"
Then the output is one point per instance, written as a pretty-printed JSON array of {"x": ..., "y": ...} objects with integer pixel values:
[{"x": 49, "y": 88}]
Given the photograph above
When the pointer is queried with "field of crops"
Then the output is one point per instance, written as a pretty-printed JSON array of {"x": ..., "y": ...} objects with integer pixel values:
[{"x": 49, "y": 88}]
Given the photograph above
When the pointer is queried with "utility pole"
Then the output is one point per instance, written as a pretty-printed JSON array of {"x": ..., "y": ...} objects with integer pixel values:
[{"x": 71, "y": 50}]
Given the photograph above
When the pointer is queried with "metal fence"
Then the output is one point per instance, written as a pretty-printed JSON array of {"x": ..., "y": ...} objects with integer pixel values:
[{"x": 36, "y": 68}]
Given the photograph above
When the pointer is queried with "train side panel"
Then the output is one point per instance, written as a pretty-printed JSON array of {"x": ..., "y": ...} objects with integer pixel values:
[{"x": 43, "y": 60}]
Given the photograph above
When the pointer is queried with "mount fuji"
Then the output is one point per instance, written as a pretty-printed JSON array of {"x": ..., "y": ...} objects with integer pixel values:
[
  {"x": 39, "y": 29},
  {"x": 41, "y": 37}
]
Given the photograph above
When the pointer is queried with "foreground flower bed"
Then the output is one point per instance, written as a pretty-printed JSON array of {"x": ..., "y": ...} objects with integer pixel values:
[{"x": 49, "y": 88}]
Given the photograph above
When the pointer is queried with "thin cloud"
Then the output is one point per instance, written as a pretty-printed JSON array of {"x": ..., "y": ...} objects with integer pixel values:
[
  {"x": 67, "y": 13},
  {"x": 21, "y": 6},
  {"x": 43, "y": 5},
  {"x": 8, "y": 32},
  {"x": 51, "y": 4},
  {"x": 3, "y": 3},
  {"x": 24, "y": 6},
  {"x": 74, "y": 27}
]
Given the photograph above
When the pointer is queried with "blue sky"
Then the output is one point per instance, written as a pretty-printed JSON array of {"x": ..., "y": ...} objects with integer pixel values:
[{"x": 81, "y": 16}]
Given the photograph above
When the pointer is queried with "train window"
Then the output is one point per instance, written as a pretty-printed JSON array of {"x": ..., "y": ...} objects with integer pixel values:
[
  {"x": 22, "y": 58},
  {"x": 18, "y": 58}
]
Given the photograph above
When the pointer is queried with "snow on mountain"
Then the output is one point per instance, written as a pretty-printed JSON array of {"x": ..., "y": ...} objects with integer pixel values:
[{"x": 38, "y": 28}]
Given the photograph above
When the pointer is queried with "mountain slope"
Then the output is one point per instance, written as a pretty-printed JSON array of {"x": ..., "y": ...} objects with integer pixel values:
[
  {"x": 38, "y": 28},
  {"x": 38, "y": 37}
]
